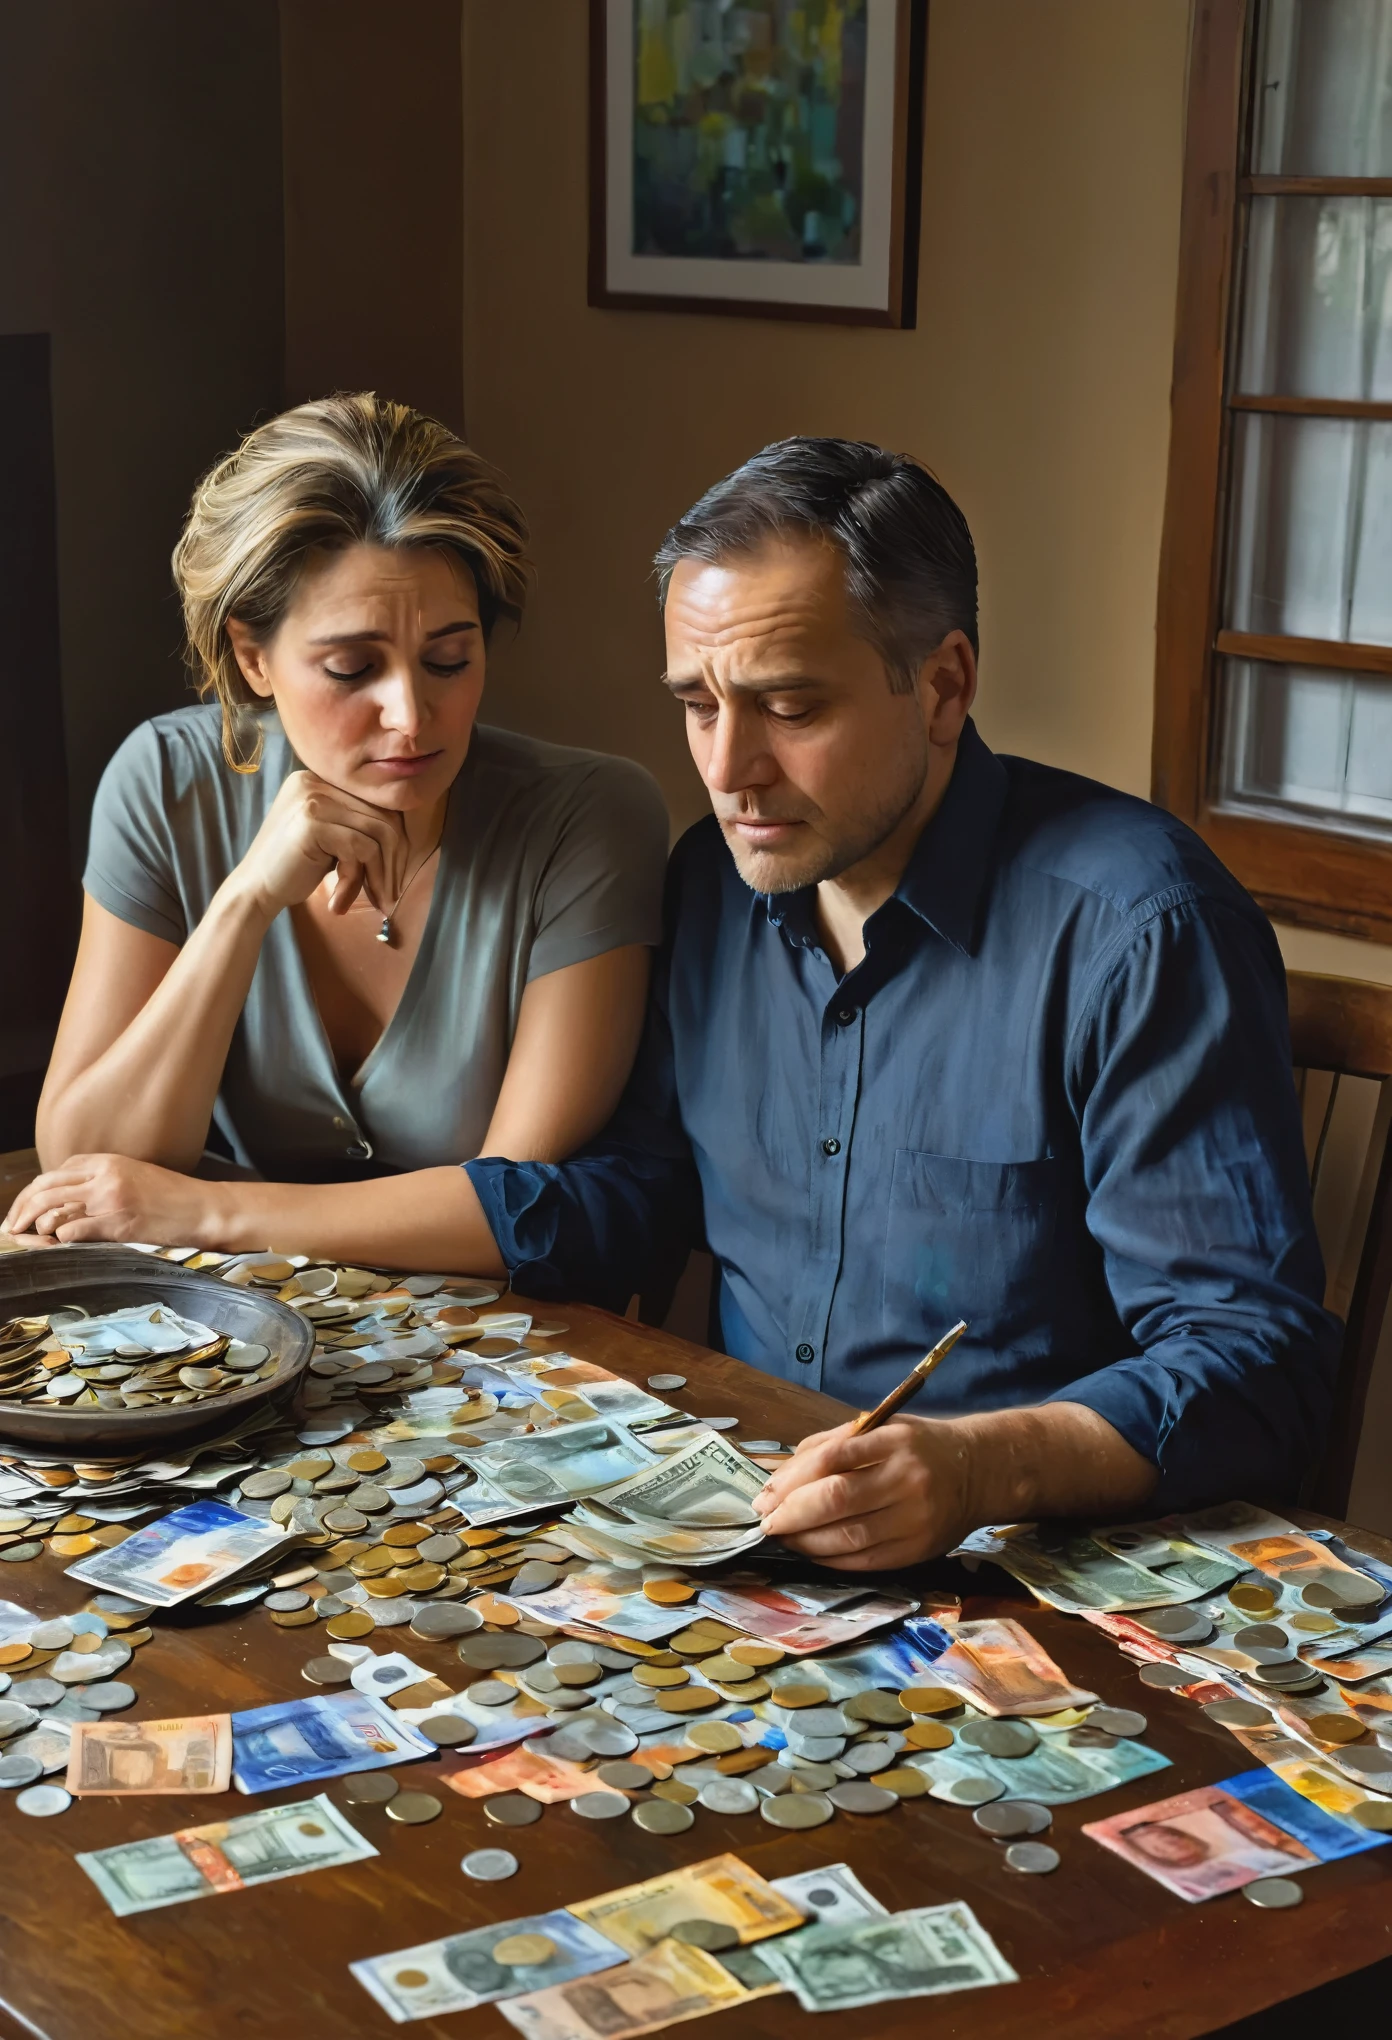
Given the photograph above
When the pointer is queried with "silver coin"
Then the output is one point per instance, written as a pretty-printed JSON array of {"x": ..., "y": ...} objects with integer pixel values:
[
  {"x": 490, "y": 1866},
  {"x": 714, "y": 1936},
  {"x": 662, "y": 1817},
  {"x": 1293, "y": 1677},
  {"x": 264, "y": 1485},
  {"x": 51, "y": 1635},
  {"x": 622, "y": 1777},
  {"x": 810, "y": 1722},
  {"x": 440, "y": 1549},
  {"x": 1118, "y": 1721},
  {"x": 16, "y": 1771},
  {"x": 1165, "y": 1675},
  {"x": 14, "y": 1716},
  {"x": 865, "y": 1758},
  {"x": 43, "y": 1801},
  {"x": 109, "y": 1696},
  {"x": 17, "y": 1554},
  {"x": 366, "y": 1499},
  {"x": 720, "y": 1423},
  {"x": 666, "y": 1384},
  {"x": 414, "y": 1809},
  {"x": 79, "y": 1668},
  {"x": 329, "y": 1605},
  {"x": 797, "y": 1810},
  {"x": 1369, "y": 1813},
  {"x": 541, "y": 1679},
  {"x": 817, "y": 1749},
  {"x": 402, "y": 1473},
  {"x": 1034, "y": 1859},
  {"x": 999, "y": 1738},
  {"x": 391, "y": 1614},
  {"x": 1269, "y": 1654},
  {"x": 491, "y": 1693},
  {"x": 490, "y": 1653},
  {"x": 1269, "y": 1635},
  {"x": 599, "y": 1805},
  {"x": 50, "y": 1745},
  {"x": 728, "y": 1795},
  {"x": 369, "y": 1788},
  {"x": 1273, "y": 1894},
  {"x": 512, "y": 1809},
  {"x": 121, "y": 1604},
  {"x": 1007, "y": 1819},
  {"x": 447, "y": 1731},
  {"x": 533, "y": 1577},
  {"x": 607, "y": 1739},
  {"x": 860, "y": 1797},
  {"x": 343, "y": 1521},
  {"x": 441, "y": 1619},
  {"x": 287, "y": 1601},
  {"x": 36, "y": 1691},
  {"x": 326, "y": 1671},
  {"x": 970, "y": 1791},
  {"x": 761, "y": 1445},
  {"x": 1372, "y": 1762},
  {"x": 819, "y": 1777}
]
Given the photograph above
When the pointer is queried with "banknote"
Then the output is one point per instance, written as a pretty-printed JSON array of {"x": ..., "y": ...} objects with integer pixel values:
[
  {"x": 921, "y": 1953},
  {"x": 319, "y": 1736},
  {"x": 830, "y": 1896},
  {"x": 1052, "y": 1773},
  {"x": 890, "y": 1661},
  {"x": 555, "y": 1466},
  {"x": 1292, "y": 1560},
  {"x": 225, "y": 1855},
  {"x": 1190, "y": 1568},
  {"x": 190, "y": 1753},
  {"x": 459, "y": 1972},
  {"x": 596, "y": 1531},
  {"x": 776, "y": 1618},
  {"x": 722, "y": 1888},
  {"x": 1199, "y": 1844},
  {"x": 529, "y": 1770},
  {"x": 661, "y": 1988},
  {"x": 1072, "y": 1573},
  {"x": 583, "y": 1600},
  {"x": 1000, "y": 1668},
  {"x": 1325, "y": 1833},
  {"x": 183, "y": 1554},
  {"x": 1229, "y": 1523},
  {"x": 709, "y": 1485}
]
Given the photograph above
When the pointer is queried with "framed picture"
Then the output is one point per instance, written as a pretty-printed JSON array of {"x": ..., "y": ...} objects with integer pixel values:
[{"x": 760, "y": 157}]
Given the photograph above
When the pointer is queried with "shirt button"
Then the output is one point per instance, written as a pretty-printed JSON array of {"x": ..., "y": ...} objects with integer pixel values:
[
  {"x": 846, "y": 1016},
  {"x": 831, "y": 1146},
  {"x": 360, "y": 1151},
  {"x": 806, "y": 1354},
  {"x": 339, "y": 1122}
]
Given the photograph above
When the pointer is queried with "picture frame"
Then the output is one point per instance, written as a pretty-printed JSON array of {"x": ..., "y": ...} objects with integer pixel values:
[{"x": 757, "y": 160}]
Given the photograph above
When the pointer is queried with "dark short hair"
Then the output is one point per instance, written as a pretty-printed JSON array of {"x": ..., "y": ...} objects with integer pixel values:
[{"x": 909, "y": 559}]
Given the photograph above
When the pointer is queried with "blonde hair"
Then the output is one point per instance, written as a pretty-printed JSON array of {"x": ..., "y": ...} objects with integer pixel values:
[{"x": 346, "y": 470}]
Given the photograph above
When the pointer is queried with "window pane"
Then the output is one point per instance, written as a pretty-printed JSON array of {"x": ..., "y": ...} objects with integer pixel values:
[
  {"x": 1317, "y": 298},
  {"x": 1314, "y": 746},
  {"x": 1324, "y": 89},
  {"x": 1311, "y": 532}
]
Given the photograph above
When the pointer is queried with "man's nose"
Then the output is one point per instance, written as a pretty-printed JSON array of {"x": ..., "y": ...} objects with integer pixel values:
[{"x": 739, "y": 756}]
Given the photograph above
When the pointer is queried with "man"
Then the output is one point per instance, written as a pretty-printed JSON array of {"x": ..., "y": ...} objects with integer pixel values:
[{"x": 936, "y": 1034}]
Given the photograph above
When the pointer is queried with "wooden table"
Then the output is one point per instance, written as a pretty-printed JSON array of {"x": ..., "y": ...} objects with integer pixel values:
[{"x": 1101, "y": 1950}]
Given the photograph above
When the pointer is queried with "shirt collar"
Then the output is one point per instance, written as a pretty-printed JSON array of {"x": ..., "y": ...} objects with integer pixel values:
[{"x": 945, "y": 877}]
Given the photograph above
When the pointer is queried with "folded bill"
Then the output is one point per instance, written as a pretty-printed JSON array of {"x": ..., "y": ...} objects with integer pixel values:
[
  {"x": 185, "y": 1553},
  {"x": 722, "y": 1889},
  {"x": 667, "y": 1985},
  {"x": 776, "y": 1618},
  {"x": 709, "y": 1485},
  {"x": 321, "y": 1736},
  {"x": 1139, "y": 1565},
  {"x": 191, "y": 1753},
  {"x": 461, "y": 1971},
  {"x": 225, "y": 1855},
  {"x": 563, "y": 1465},
  {"x": 1000, "y": 1668},
  {"x": 546, "y": 1779},
  {"x": 869, "y": 1962}
]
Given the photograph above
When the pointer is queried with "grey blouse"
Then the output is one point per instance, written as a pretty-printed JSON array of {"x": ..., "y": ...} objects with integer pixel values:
[{"x": 549, "y": 856}]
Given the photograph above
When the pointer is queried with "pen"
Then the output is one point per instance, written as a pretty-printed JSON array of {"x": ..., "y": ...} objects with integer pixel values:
[{"x": 870, "y": 1420}]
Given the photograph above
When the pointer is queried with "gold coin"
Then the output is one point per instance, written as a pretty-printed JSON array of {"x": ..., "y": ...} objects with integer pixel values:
[
  {"x": 581, "y": 1674},
  {"x": 135, "y": 1637},
  {"x": 72, "y": 1526},
  {"x": 675, "y": 1789},
  {"x": 410, "y": 1979},
  {"x": 378, "y": 1558},
  {"x": 357, "y": 1622},
  {"x": 496, "y": 1611},
  {"x": 749, "y": 1652},
  {"x": 799, "y": 1694},
  {"x": 669, "y": 1593},
  {"x": 474, "y": 1537},
  {"x": 688, "y": 1700},
  {"x": 745, "y": 1691},
  {"x": 405, "y": 1533},
  {"x": 522, "y": 1951},
  {"x": 714, "y": 1736},
  {"x": 1063, "y": 1717},
  {"x": 1251, "y": 1598},
  {"x": 14, "y": 1653},
  {"x": 346, "y": 1549},
  {"x": 734, "y": 1763},
  {"x": 293, "y": 1618},
  {"x": 930, "y": 1699},
  {"x": 1312, "y": 1625},
  {"x": 721, "y": 1668},
  {"x": 420, "y": 1579},
  {"x": 927, "y": 1735},
  {"x": 661, "y": 1675},
  {"x": 73, "y": 1547},
  {"x": 905, "y": 1784},
  {"x": 112, "y": 1533},
  {"x": 1335, "y": 1728},
  {"x": 382, "y": 1586},
  {"x": 425, "y": 1693},
  {"x": 86, "y": 1643},
  {"x": 719, "y": 1632},
  {"x": 16, "y": 1524},
  {"x": 693, "y": 1642}
]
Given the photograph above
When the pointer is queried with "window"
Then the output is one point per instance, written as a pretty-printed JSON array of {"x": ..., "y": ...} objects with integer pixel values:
[{"x": 1273, "y": 724}]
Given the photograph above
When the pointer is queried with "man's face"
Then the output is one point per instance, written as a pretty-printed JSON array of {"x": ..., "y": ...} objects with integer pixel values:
[{"x": 810, "y": 757}]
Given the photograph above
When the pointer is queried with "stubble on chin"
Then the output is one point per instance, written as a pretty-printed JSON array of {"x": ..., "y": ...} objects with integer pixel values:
[{"x": 768, "y": 871}]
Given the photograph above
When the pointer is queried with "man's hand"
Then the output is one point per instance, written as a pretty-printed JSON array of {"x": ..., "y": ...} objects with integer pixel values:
[
  {"x": 869, "y": 1504},
  {"x": 111, "y": 1197}
]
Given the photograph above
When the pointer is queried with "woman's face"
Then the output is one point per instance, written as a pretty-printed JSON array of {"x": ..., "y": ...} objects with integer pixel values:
[{"x": 376, "y": 670}]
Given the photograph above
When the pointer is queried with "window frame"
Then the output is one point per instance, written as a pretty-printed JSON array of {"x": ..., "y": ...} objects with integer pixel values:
[{"x": 1299, "y": 872}]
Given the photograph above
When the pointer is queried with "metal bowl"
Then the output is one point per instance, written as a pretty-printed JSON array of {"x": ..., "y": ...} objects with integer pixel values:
[{"x": 107, "y": 1278}]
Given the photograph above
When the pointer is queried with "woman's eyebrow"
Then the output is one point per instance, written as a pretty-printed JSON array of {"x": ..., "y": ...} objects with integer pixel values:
[{"x": 366, "y": 637}]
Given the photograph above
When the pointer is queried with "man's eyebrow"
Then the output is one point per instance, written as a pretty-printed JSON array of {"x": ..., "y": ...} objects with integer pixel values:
[
  {"x": 791, "y": 683},
  {"x": 377, "y": 637}
]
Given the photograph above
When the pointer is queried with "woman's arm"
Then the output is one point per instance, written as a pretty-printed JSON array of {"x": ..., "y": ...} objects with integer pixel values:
[{"x": 577, "y": 1034}]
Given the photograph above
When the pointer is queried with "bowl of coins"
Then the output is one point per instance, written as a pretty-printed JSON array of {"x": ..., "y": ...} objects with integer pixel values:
[{"x": 106, "y": 1352}]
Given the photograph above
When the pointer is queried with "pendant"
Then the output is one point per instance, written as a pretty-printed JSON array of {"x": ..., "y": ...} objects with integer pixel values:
[{"x": 384, "y": 932}]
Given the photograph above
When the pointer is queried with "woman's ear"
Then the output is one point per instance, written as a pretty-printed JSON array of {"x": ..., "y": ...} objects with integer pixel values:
[{"x": 250, "y": 658}]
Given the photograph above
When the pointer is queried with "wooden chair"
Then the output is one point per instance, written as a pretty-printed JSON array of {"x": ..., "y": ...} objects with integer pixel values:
[{"x": 1341, "y": 1041}]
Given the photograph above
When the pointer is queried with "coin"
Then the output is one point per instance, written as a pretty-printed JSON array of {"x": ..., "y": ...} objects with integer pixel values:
[
  {"x": 1118, "y": 1721},
  {"x": 599, "y": 1805},
  {"x": 17, "y": 1554},
  {"x": 928, "y": 1735},
  {"x": 798, "y": 1693},
  {"x": 904, "y": 1782},
  {"x": 369, "y": 1788},
  {"x": 1265, "y": 1635},
  {"x": 797, "y": 1810},
  {"x": 108, "y": 1696},
  {"x": 1165, "y": 1675},
  {"x": 624, "y": 1777},
  {"x": 1369, "y": 1813},
  {"x": 757, "y": 1656},
  {"x": 666, "y": 1384},
  {"x": 817, "y": 1749},
  {"x": 356, "y": 1623},
  {"x": 490, "y": 1866},
  {"x": 752, "y": 1445},
  {"x": 326, "y": 1671},
  {"x": 669, "y": 1593},
  {"x": 19, "y": 1771},
  {"x": 14, "y": 1653},
  {"x": 512, "y": 1809},
  {"x": 887, "y": 1710},
  {"x": 819, "y": 1721},
  {"x": 858, "y": 1796},
  {"x": 662, "y": 1816},
  {"x": 999, "y": 1738},
  {"x": 1312, "y": 1625},
  {"x": 42, "y": 1801},
  {"x": 929, "y": 1699},
  {"x": 413, "y": 1809},
  {"x": 267, "y": 1483},
  {"x": 491, "y": 1653},
  {"x": 1252, "y": 1598},
  {"x": 285, "y": 1603},
  {"x": 676, "y": 1790},
  {"x": 1335, "y": 1728},
  {"x": 715, "y": 1936},
  {"x": 523, "y": 1951},
  {"x": 444, "y": 1619},
  {"x": 1273, "y": 1894},
  {"x": 1005, "y": 1819},
  {"x": 1034, "y": 1859},
  {"x": 969, "y": 1791},
  {"x": 728, "y": 1795},
  {"x": 491, "y": 1693},
  {"x": 658, "y": 1676},
  {"x": 51, "y": 1635},
  {"x": 605, "y": 1738},
  {"x": 1371, "y": 1761},
  {"x": 688, "y": 1700},
  {"x": 447, "y": 1731}
]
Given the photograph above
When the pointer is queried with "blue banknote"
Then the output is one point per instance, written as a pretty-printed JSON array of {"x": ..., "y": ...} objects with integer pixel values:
[
  {"x": 1323, "y": 1834},
  {"x": 325, "y": 1734}
]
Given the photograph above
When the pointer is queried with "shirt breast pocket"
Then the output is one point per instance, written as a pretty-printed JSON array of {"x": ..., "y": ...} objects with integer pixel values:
[{"x": 969, "y": 1239}]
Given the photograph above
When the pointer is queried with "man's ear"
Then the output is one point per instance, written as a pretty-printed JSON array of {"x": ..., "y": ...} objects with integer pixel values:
[
  {"x": 947, "y": 687},
  {"x": 251, "y": 659}
]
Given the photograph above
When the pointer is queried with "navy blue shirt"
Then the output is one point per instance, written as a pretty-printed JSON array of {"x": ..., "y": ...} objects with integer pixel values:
[{"x": 1054, "y": 1099}]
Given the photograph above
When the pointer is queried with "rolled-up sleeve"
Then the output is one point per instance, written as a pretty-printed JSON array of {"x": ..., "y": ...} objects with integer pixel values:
[{"x": 1198, "y": 1196}]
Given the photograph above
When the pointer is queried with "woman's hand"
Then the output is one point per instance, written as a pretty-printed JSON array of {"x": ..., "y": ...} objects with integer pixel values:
[
  {"x": 313, "y": 827},
  {"x": 111, "y": 1197}
]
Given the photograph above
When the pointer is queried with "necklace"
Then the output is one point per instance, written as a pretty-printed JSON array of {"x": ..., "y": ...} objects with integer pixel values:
[{"x": 384, "y": 933}]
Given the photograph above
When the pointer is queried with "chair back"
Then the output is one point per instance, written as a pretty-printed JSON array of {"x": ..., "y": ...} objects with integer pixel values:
[{"x": 1341, "y": 1042}]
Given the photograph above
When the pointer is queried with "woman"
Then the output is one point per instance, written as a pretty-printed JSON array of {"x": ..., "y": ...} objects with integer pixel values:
[{"x": 366, "y": 938}]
